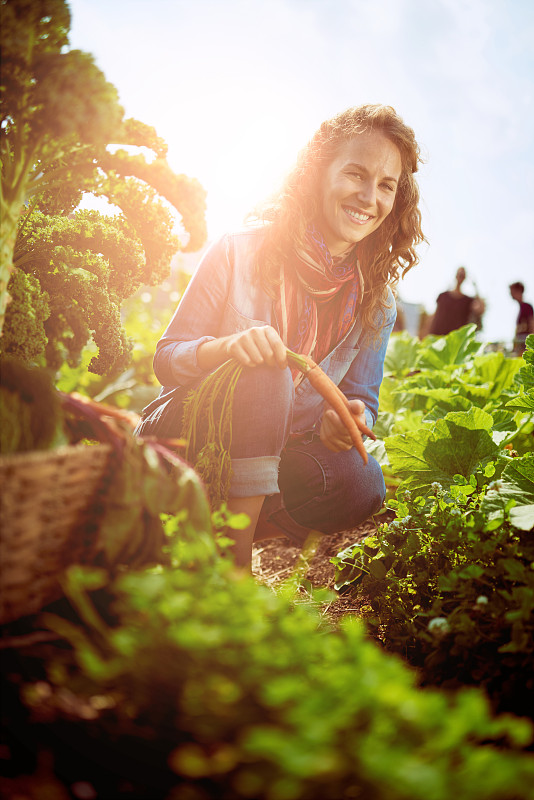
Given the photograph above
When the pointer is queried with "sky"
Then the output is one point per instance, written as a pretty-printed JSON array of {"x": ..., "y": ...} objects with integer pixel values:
[{"x": 237, "y": 88}]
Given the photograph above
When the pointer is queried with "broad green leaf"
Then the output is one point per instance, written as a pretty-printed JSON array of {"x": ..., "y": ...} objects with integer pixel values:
[
  {"x": 445, "y": 396},
  {"x": 522, "y": 517},
  {"x": 518, "y": 480},
  {"x": 526, "y": 373},
  {"x": 378, "y": 570},
  {"x": 516, "y": 485},
  {"x": 378, "y": 451},
  {"x": 496, "y": 371},
  {"x": 402, "y": 354},
  {"x": 520, "y": 474},
  {"x": 523, "y": 402},
  {"x": 526, "y": 377},
  {"x": 455, "y": 348},
  {"x": 389, "y": 401},
  {"x": 384, "y": 423},
  {"x": 457, "y": 444},
  {"x": 406, "y": 452},
  {"x": 409, "y": 421},
  {"x": 427, "y": 380},
  {"x": 503, "y": 420}
]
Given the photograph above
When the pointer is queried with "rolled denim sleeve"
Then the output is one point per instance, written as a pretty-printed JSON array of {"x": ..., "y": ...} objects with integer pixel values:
[
  {"x": 196, "y": 320},
  {"x": 364, "y": 376}
]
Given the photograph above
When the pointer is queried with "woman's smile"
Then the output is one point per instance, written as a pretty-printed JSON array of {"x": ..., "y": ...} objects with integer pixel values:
[{"x": 358, "y": 217}]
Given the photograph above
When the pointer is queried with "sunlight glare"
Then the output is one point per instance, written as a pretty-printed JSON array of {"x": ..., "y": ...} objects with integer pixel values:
[{"x": 247, "y": 169}]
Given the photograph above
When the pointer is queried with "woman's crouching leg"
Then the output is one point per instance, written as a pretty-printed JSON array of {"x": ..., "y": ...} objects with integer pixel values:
[
  {"x": 261, "y": 422},
  {"x": 324, "y": 491}
]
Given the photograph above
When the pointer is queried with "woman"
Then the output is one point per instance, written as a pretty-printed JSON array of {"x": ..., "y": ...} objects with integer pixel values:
[{"x": 313, "y": 273}]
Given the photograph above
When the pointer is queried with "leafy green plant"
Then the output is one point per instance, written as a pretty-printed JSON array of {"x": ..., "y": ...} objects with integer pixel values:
[
  {"x": 197, "y": 682},
  {"x": 424, "y": 381},
  {"x": 62, "y": 136},
  {"x": 450, "y": 580},
  {"x": 144, "y": 319}
]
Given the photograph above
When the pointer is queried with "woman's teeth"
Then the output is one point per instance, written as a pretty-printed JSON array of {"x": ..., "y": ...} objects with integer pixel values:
[{"x": 356, "y": 215}]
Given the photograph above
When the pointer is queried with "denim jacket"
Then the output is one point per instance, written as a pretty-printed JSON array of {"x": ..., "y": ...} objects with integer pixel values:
[{"x": 224, "y": 296}]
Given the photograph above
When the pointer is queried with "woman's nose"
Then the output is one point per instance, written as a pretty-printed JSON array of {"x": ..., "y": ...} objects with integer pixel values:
[{"x": 367, "y": 193}]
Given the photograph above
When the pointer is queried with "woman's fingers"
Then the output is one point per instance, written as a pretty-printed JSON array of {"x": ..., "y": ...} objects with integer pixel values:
[
  {"x": 278, "y": 347},
  {"x": 335, "y": 435},
  {"x": 260, "y": 345}
]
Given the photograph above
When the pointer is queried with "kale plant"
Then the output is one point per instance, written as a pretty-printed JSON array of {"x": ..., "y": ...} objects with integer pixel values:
[{"x": 63, "y": 135}]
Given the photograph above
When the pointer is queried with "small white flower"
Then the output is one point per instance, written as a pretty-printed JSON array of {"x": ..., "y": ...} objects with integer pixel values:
[
  {"x": 438, "y": 626},
  {"x": 482, "y": 600}
]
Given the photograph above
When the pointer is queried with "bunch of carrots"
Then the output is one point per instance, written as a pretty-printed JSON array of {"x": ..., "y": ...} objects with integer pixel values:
[{"x": 207, "y": 421}]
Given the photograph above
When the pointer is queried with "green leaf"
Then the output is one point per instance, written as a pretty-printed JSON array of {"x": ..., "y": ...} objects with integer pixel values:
[
  {"x": 455, "y": 348},
  {"x": 496, "y": 371},
  {"x": 460, "y": 443},
  {"x": 518, "y": 483},
  {"x": 523, "y": 402},
  {"x": 522, "y": 517},
  {"x": 378, "y": 570},
  {"x": 513, "y": 494},
  {"x": 446, "y": 400},
  {"x": 402, "y": 354},
  {"x": 514, "y": 568}
]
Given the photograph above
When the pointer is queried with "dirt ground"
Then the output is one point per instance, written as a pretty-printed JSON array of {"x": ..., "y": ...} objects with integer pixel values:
[{"x": 274, "y": 561}]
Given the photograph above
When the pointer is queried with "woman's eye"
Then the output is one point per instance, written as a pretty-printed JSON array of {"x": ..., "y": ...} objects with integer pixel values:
[{"x": 389, "y": 187}]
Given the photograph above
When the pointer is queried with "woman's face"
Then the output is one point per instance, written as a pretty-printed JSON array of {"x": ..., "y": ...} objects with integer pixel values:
[{"x": 358, "y": 190}]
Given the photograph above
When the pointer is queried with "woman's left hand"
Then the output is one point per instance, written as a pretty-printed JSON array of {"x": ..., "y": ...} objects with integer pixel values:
[{"x": 333, "y": 433}]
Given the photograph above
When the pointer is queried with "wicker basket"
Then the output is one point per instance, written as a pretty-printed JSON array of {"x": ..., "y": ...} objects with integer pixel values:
[{"x": 51, "y": 504}]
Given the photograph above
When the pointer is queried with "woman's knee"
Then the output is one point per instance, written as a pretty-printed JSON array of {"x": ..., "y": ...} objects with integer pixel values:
[
  {"x": 362, "y": 495},
  {"x": 332, "y": 491},
  {"x": 266, "y": 382},
  {"x": 264, "y": 392},
  {"x": 262, "y": 410},
  {"x": 368, "y": 489}
]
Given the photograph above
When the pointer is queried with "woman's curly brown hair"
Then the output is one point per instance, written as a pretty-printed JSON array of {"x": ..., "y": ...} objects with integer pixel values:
[{"x": 384, "y": 255}]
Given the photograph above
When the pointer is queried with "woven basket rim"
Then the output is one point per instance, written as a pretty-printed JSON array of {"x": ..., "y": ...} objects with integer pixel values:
[{"x": 57, "y": 452}]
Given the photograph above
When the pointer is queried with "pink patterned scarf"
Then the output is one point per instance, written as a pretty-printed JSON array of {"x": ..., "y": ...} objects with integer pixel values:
[{"x": 317, "y": 301}]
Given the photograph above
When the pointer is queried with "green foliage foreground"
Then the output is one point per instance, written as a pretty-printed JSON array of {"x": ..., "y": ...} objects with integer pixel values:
[
  {"x": 450, "y": 581},
  {"x": 198, "y": 683}
]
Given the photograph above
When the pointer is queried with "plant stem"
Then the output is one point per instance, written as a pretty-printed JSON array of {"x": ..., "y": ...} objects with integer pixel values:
[{"x": 298, "y": 361}]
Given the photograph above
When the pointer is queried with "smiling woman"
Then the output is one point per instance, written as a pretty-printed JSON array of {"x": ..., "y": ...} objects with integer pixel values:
[{"x": 311, "y": 273}]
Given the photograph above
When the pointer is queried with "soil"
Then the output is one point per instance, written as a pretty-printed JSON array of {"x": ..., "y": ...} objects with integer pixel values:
[{"x": 275, "y": 560}]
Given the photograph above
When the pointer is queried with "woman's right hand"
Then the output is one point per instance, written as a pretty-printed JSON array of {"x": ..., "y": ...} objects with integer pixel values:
[
  {"x": 252, "y": 347},
  {"x": 259, "y": 345}
]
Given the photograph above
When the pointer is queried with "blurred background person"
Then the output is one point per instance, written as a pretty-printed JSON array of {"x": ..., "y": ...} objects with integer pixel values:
[
  {"x": 455, "y": 309},
  {"x": 525, "y": 319}
]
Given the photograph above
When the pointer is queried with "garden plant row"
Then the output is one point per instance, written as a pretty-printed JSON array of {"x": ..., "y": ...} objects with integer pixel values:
[{"x": 450, "y": 581}]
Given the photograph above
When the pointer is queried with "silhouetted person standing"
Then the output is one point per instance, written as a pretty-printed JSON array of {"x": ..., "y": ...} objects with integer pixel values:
[
  {"x": 525, "y": 319},
  {"x": 455, "y": 309}
]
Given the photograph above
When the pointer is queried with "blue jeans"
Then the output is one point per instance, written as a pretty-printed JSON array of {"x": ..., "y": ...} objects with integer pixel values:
[{"x": 306, "y": 485}]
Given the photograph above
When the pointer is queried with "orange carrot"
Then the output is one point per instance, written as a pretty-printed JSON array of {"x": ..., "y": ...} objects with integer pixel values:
[{"x": 335, "y": 397}]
